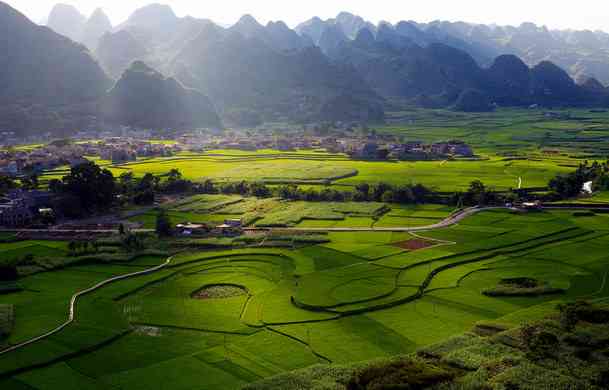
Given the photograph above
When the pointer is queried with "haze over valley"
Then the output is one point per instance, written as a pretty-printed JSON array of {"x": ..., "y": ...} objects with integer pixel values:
[
  {"x": 336, "y": 69},
  {"x": 332, "y": 203}
]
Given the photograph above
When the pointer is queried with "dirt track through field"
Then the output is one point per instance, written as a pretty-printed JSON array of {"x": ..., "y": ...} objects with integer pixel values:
[{"x": 74, "y": 299}]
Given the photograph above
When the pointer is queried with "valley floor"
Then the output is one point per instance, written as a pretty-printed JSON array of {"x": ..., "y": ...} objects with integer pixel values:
[{"x": 357, "y": 296}]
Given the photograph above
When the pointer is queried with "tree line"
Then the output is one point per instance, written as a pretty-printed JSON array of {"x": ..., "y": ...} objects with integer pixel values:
[{"x": 571, "y": 185}]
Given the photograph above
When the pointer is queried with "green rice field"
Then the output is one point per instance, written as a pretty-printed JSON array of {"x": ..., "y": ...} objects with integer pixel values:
[
  {"x": 514, "y": 148},
  {"x": 358, "y": 296}
]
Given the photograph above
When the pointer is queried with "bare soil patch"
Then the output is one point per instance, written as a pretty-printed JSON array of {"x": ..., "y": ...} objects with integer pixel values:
[{"x": 219, "y": 291}]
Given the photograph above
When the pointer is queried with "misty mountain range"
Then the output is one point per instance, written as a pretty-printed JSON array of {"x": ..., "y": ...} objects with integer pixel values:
[{"x": 161, "y": 71}]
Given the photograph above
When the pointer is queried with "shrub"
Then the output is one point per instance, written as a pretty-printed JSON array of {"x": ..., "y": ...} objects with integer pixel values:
[
  {"x": 402, "y": 374},
  {"x": 539, "y": 342},
  {"x": 8, "y": 273}
]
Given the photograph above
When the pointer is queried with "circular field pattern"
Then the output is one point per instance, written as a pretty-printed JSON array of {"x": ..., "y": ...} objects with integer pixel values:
[{"x": 220, "y": 291}]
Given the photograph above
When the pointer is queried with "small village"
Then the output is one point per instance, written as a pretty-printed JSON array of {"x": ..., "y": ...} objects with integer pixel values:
[
  {"x": 15, "y": 162},
  {"x": 32, "y": 203}
]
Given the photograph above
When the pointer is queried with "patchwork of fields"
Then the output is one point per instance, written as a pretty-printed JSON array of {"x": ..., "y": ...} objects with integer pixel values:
[
  {"x": 356, "y": 297},
  {"x": 516, "y": 147},
  {"x": 273, "y": 212},
  {"x": 498, "y": 172}
]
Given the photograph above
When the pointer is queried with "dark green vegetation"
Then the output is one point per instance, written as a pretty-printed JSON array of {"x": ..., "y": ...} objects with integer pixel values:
[
  {"x": 358, "y": 297},
  {"x": 6, "y": 321},
  {"x": 86, "y": 188},
  {"x": 513, "y": 287},
  {"x": 561, "y": 348}
]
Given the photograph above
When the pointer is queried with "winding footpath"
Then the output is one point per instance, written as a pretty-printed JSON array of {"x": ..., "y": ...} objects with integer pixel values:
[
  {"x": 450, "y": 220},
  {"x": 74, "y": 299}
]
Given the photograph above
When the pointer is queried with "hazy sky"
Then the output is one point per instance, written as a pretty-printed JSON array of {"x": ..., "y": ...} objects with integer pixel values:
[{"x": 581, "y": 14}]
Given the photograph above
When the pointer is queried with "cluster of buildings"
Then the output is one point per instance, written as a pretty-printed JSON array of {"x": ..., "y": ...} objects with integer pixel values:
[
  {"x": 20, "y": 208},
  {"x": 230, "y": 228},
  {"x": 246, "y": 142},
  {"x": 15, "y": 162},
  {"x": 121, "y": 150},
  {"x": 365, "y": 148}
]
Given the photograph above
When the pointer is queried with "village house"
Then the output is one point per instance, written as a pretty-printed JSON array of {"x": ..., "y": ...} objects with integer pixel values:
[
  {"x": 230, "y": 228},
  {"x": 192, "y": 229},
  {"x": 19, "y": 208},
  {"x": 15, "y": 213}
]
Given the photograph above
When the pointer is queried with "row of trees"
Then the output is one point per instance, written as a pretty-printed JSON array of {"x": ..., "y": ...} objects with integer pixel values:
[
  {"x": 82, "y": 247},
  {"x": 89, "y": 188},
  {"x": 571, "y": 185},
  {"x": 382, "y": 192}
]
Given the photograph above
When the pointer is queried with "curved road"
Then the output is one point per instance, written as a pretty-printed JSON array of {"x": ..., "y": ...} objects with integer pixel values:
[{"x": 450, "y": 220}]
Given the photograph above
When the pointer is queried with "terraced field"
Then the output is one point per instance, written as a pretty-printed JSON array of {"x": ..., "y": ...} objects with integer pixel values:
[
  {"x": 358, "y": 296},
  {"x": 273, "y": 212}
]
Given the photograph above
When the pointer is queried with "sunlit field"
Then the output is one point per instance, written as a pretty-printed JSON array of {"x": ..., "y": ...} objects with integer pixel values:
[{"x": 355, "y": 297}]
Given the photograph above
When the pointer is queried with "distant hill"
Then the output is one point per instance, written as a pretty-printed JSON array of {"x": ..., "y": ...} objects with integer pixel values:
[
  {"x": 437, "y": 75},
  {"x": 580, "y": 53},
  {"x": 96, "y": 26},
  {"x": 342, "y": 69},
  {"x": 69, "y": 22},
  {"x": 143, "y": 97},
  {"x": 66, "y": 20},
  {"x": 276, "y": 35},
  {"x": 153, "y": 34},
  {"x": 47, "y": 80},
  {"x": 116, "y": 51},
  {"x": 244, "y": 74}
]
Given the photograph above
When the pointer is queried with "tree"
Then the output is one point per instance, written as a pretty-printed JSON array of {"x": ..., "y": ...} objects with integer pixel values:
[
  {"x": 30, "y": 182},
  {"x": 259, "y": 190},
  {"x": 72, "y": 248},
  {"x": 208, "y": 187},
  {"x": 7, "y": 184},
  {"x": 163, "y": 225},
  {"x": 363, "y": 190},
  {"x": 133, "y": 242},
  {"x": 387, "y": 197},
  {"x": 93, "y": 186},
  {"x": 8, "y": 273},
  {"x": 174, "y": 175},
  {"x": 379, "y": 190},
  {"x": 476, "y": 194},
  {"x": 55, "y": 186}
]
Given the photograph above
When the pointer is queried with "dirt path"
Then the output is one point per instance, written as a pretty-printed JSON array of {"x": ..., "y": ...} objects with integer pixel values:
[{"x": 74, "y": 300}]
